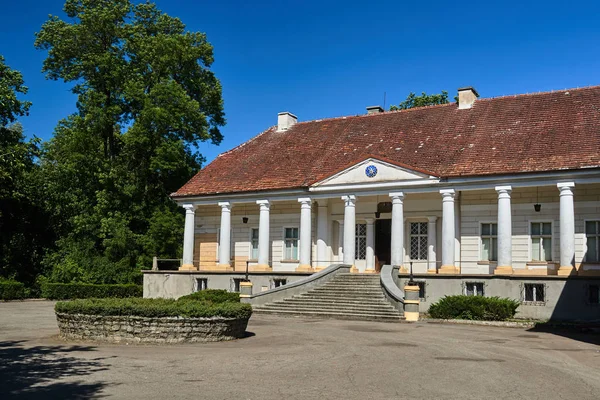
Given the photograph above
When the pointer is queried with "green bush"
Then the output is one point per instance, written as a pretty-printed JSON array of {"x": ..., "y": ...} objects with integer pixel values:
[
  {"x": 474, "y": 308},
  {"x": 66, "y": 291},
  {"x": 11, "y": 290},
  {"x": 154, "y": 308},
  {"x": 213, "y": 296}
]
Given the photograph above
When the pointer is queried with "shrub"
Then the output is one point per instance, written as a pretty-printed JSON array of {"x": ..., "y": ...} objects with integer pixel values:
[
  {"x": 11, "y": 290},
  {"x": 474, "y": 308},
  {"x": 213, "y": 296},
  {"x": 66, "y": 291},
  {"x": 154, "y": 308}
]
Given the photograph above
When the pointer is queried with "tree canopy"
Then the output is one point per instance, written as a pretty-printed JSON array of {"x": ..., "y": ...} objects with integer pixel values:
[
  {"x": 413, "y": 101},
  {"x": 145, "y": 98}
]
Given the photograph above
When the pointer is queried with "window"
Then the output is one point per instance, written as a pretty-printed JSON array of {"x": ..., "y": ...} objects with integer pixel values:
[
  {"x": 200, "y": 284},
  {"x": 594, "y": 294},
  {"x": 254, "y": 243},
  {"x": 418, "y": 240},
  {"x": 291, "y": 243},
  {"x": 541, "y": 241},
  {"x": 279, "y": 282},
  {"x": 421, "y": 285},
  {"x": 474, "y": 289},
  {"x": 489, "y": 242},
  {"x": 236, "y": 284},
  {"x": 361, "y": 241},
  {"x": 534, "y": 293},
  {"x": 592, "y": 236}
]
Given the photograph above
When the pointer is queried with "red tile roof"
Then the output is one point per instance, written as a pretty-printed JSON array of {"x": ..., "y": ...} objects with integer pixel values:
[{"x": 513, "y": 134}]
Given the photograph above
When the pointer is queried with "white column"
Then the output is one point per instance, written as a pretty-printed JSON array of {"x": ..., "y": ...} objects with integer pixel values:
[
  {"x": 322, "y": 234},
  {"x": 397, "y": 238},
  {"x": 225, "y": 238},
  {"x": 187, "y": 263},
  {"x": 504, "y": 231},
  {"x": 263, "y": 236},
  {"x": 340, "y": 240},
  {"x": 457, "y": 256},
  {"x": 305, "y": 235},
  {"x": 370, "y": 245},
  {"x": 349, "y": 230},
  {"x": 448, "y": 233},
  {"x": 567, "y": 229},
  {"x": 431, "y": 244}
]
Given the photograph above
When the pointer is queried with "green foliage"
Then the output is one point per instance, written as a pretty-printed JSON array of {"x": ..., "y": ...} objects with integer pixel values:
[
  {"x": 213, "y": 296},
  {"x": 11, "y": 290},
  {"x": 66, "y": 291},
  {"x": 474, "y": 308},
  {"x": 11, "y": 85},
  {"x": 413, "y": 101},
  {"x": 154, "y": 308},
  {"x": 145, "y": 98}
]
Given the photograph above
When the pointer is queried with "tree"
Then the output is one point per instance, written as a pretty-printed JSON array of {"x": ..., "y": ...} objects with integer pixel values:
[
  {"x": 145, "y": 97},
  {"x": 413, "y": 101},
  {"x": 24, "y": 233}
]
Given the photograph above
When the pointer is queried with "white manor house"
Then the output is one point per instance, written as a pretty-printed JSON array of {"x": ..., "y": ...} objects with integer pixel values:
[{"x": 496, "y": 196}]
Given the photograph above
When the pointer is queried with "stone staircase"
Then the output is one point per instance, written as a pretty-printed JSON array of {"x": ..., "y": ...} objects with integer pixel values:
[{"x": 346, "y": 296}]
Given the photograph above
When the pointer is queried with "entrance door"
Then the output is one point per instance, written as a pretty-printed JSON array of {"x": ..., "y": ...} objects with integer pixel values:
[{"x": 383, "y": 242}]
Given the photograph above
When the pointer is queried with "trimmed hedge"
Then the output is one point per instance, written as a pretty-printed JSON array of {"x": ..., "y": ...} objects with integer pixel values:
[
  {"x": 154, "y": 308},
  {"x": 67, "y": 291},
  {"x": 11, "y": 290},
  {"x": 213, "y": 296},
  {"x": 474, "y": 308}
]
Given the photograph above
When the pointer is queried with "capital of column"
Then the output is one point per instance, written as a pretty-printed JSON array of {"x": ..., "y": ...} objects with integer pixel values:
[
  {"x": 503, "y": 191},
  {"x": 349, "y": 200},
  {"x": 225, "y": 206},
  {"x": 322, "y": 202},
  {"x": 340, "y": 221},
  {"x": 566, "y": 188},
  {"x": 448, "y": 194},
  {"x": 189, "y": 208},
  {"x": 432, "y": 219},
  {"x": 397, "y": 197},
  {"x": 369, "y": 221},
  {"x": 265, "y": 205},
  {"x": 305, "y": 202}
]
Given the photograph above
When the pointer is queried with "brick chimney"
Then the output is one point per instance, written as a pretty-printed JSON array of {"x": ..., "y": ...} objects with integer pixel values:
[
  {"x": 466, "y": 97},
  {"x": 374, "y": 110},
  {"x": 285, "y": 120}
]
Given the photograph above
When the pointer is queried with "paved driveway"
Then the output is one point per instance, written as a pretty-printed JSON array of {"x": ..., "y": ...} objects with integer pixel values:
[{"x": 287, "y": 358}]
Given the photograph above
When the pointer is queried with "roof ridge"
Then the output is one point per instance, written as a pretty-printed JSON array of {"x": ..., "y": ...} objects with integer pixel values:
[
  {"x": 504, "y": 96},
  {"x": 244, "y": 143}
]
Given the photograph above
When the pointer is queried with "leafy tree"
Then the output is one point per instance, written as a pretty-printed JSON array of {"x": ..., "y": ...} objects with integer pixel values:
[
  {"x": 24, "y": 232},
  {"x": 413, "y": 101},
  {"x": 145, "y": 98}
]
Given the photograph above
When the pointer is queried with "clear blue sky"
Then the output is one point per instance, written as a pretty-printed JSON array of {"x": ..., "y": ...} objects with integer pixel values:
[{"x": 322, "y": 59}]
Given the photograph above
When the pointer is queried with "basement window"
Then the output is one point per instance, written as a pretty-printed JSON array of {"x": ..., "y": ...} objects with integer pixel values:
[
  {"x": 236, "y": 284},
  {"x": 474, "y": 289},
  {"x": 279, "y": 282},
  {"x": 200, "y": 284},
  {"x": 421, "y": 285},
  {"x": 534, "y": 293}
]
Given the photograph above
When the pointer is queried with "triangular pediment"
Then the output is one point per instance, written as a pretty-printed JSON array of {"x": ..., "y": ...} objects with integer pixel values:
[{"x": 373, "y": 170}]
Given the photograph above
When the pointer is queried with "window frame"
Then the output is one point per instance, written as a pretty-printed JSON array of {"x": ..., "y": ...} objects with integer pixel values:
[
  {"x": 533, "y": 302},
  {"x": 541, "y": 235},
  {"x": 284, "y": 243},
  {"x": 492, "y": 237},
  {"x": 250, "y": 240},
  {"x": 357, "y": 241},
  {"x": 585, "y": 242},
  {"x": 418, "y": 235},
  {"x": 275, "y": 285},
  {"x": 474, "y": 283},
  {"x": 235, "y": 284},
  {"x": 198, "y": 287}
]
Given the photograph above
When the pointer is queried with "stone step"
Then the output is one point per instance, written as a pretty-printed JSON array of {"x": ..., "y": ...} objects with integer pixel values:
[
  {"x": 352, "y": 284},
  {"x": 349, "y": 311},
  {"x": 332, "y": 315},
  {"x": 351, "y": 307},
  {"x": 377, "y": 302},
  {"x": 347, "y": 291},
  {"x": 332, "y": 298}
]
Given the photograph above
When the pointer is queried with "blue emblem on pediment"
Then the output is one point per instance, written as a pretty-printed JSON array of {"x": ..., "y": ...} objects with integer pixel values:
[{"x": 371, "y": 171}]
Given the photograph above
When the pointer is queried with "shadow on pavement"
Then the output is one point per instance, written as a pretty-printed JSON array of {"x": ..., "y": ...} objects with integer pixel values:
[
  {"x": 587, "y": 333},
  {"x": 36, "y": 372}
]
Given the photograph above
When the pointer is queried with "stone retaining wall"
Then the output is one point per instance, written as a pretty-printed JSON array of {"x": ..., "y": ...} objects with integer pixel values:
[{"x": 116, "y": 329}]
